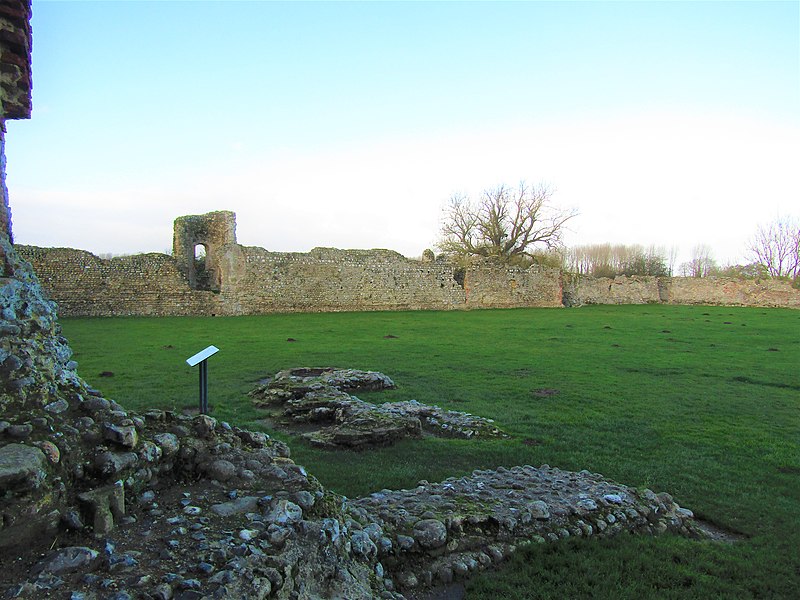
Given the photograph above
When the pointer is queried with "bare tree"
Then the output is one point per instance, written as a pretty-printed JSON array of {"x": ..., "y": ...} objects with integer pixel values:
[
  {"x": 672, "y": 257},
  {"x": 505, "y": 223},
  {"x": 702, "y": 263},
  {"x": 777, "y": 247}
]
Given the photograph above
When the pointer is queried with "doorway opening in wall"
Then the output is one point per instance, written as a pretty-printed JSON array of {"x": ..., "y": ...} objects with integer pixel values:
[{"x": 203, "y": 276}]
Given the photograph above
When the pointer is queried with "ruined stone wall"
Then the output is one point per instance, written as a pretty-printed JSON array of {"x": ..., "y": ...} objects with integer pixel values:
[
  {"x": 733, "y": 292},
  {"x": 490, "y": 285},
  {"x": 15, "y": 59},
  {"x": 84, "y": 285},
  {"x": 255, "y": 281},
  {"x": 15, "y": 89},
  {"x": 681, "y": 290},
  {"x": 326, "y": 279}
]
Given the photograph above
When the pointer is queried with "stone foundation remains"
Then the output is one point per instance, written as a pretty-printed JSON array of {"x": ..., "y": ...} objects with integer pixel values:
[{"x": 319, "y": 399}]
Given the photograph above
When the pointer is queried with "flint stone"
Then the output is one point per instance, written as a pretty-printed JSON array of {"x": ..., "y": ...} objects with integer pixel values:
[
  {"x": 430, "y": 533},
  {"x": 109, "y": 463},
  {"x": 539, "y": 510},
  {"x": 50, "y": 450},
  {"x": 304, "y": 499},
  {"x": 221, "y": 470},
  {"x": 21, "y": 466},
  {"x": 123, "y": 435},
  {"x": 150, "y": 452},
  {"x": 57, "y": 407},
  {"x": 204, "y": 425},
  {"x": 286, "y": 512},
  {"x": 362, "y": 545},
  {"x": 96, "y": 404},
  {"x": 239, "y": 505},
  {"x": 66, "y": 560},
  {"x": 405, "y": 542},
  {"x": 168, "y": 442},
  {"x": 20, "y": 432}
]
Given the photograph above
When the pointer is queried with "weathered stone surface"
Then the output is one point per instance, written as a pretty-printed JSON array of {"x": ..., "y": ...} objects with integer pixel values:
[
  {"x": 255, "y": 281},
  {"x": 21, "y": 467},
  {"x": 726, "y": 291},
  {"x": 67, "y": 559},
  {"x": 318, "y": 396},
  {"x": 122, "y": 435},
  {"x": 221, "y": 470},
  {"x": 105, "y": 505},
  {"x": 430, "y": 533},
  {"x": 237, "y": 506},
  {"x": 492, "y": 511}
]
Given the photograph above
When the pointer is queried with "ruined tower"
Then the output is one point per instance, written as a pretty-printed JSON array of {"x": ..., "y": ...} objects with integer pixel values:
[{"x": 197, "y": 243}]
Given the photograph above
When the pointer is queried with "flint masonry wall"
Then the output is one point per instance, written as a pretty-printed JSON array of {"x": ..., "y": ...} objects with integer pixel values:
[
  {"x": 681, "y": 290},
  {"x": 328, "y": 279},
  {"x": 232, "y": 279},
  {"x": 255, "y": 281},
  {"x": 84, "y": 285},
  {"x": 15, "y": 89}
]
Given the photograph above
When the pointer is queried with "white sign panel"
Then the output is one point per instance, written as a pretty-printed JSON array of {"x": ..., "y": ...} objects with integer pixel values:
[{"x": 202, "y": 355}]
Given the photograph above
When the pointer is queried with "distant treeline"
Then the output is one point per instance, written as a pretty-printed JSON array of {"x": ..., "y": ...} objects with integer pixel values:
[{"x": 613, "y": 260}]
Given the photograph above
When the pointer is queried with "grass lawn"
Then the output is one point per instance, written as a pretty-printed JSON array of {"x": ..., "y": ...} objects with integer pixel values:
[{"x": 702, "y": 402}]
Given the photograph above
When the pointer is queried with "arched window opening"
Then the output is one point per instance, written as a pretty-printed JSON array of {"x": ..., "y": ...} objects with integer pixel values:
[
  {"x": 199, "y": 257},
  {"x": 203, "y": 277}
]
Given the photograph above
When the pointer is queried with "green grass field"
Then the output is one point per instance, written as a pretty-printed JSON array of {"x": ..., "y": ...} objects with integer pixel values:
[{"x": 702, "y": 402}]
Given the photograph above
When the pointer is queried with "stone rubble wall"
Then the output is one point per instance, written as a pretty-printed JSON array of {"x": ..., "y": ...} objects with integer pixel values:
[
  {"x": 723, "y": 291},
  {"x": 15, "y": 88},
  {"x": 84, "y": 285},
  {"x": 255, "y": 281},
  {"x": 15, "y": 59},
  {"x": 734, "y": 292}
]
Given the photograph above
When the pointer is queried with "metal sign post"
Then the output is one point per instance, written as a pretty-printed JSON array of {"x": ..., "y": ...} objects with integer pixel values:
[{"x": 201, "y": 358}]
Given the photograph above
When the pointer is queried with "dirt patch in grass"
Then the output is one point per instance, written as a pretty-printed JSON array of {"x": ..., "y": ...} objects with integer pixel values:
[
  {"x": 655, "y": 371},
  {"x": 532, "y": 442},
  {"x": 545, "y": 392},
  {"x": 785, "y": 386},
  {"x": 789, "y": 470},
  {"x": 718, "y": 534}
]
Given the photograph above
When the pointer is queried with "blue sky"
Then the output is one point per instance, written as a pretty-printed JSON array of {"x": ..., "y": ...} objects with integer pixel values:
[{"x": 350, "y": 124}]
